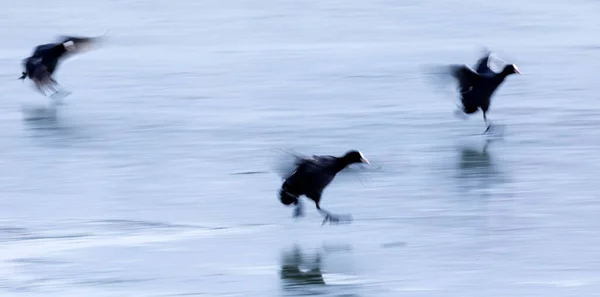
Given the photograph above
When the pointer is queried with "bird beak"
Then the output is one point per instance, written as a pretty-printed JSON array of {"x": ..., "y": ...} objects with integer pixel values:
[
  {"x": 516, "y": 69},
  {"x": 363, "y": 159}
]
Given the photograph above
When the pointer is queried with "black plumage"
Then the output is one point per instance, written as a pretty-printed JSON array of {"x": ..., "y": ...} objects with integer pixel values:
[
  {"x": 43, "y": 62},
  {"x": 311, "y": 176},
  {"x": 476, "y": 87}
]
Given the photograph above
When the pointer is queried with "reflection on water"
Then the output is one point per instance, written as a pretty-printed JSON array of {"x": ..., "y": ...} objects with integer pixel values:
[
  {"x": 48, "y": 127},
  {"x": 475, "y": 162},
  {"x": 477, "y": 169},
  {"x": 302, "y": 274}
]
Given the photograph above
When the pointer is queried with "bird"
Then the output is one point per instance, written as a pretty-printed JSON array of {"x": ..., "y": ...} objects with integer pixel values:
[
  {"x": 43, "y": 62},
  {"x": 476, "y": 87},
  {"x": 311, "y": 176}
]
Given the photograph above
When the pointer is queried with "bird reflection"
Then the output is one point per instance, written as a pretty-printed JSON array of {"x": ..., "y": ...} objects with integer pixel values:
[
  {"x": 477, "y": 169},
  {"x": 299, "y": 274},
  {"x": 54, "y": 131},
  {"x": 302, "y": 273},
  {"x": 475, "y": 159}
]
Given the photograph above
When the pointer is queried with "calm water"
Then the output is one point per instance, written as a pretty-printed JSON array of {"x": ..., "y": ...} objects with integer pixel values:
[{"x": 134, "y": 187}]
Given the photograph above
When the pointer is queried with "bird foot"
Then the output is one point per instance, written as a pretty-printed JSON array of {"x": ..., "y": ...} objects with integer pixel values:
[
  {"x": 336, "y": 219},
  {"x": 298, "y": 213},
  {"x": 489, "y": 129},
  {"x": 58, "y": 96}
]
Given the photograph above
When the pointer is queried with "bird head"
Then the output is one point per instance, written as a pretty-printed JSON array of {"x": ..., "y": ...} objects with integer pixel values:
[
  {"x": 355, "y": 157},
  {"x": 511, "y": 69},
  {"x": 23, "y": 75}
]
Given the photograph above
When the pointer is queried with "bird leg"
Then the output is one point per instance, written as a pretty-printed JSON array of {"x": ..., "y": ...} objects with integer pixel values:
[
  {"x": 58, "y": 90},
  {"x": 51, "y": 87},
  {"x": 62, "y": 92},
  {"x": 489, "y": 125},
  {"x": 40, "y": 88},
  {"x": 327, "y": 216},
  {"x": 43, "y": 84},
  {"x": 331, "y": 217},
  {"x": 299, "y": 210}
]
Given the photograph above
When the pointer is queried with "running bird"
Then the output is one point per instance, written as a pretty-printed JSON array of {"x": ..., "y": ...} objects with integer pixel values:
[
  {"x": 476, "y": 87},
  {"x": 42, "y": 63},
  {"x": 311, "y": 176}
]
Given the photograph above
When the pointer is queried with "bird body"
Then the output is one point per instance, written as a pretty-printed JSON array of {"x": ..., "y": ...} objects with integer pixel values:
[
  {"x": 43, "y": 62},
  {"x": 49, "y": 54},
  {"x": 312, "y": 175},
  {"x": 476, "y": 87}
]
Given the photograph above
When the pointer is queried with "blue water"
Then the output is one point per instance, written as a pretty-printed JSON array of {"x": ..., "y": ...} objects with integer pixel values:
[{"x": 135, "y": 186}]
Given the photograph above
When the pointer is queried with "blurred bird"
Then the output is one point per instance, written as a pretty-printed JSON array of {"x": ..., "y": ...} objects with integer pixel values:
[
  {"x": 477, "y": 86},
  {"x": 42, "y": 63},
  {"x": 310, "y": 177}
]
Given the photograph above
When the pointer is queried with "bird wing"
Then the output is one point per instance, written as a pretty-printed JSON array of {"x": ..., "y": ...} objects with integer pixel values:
[
  {"x": 287, "y": 164},
  {"x": 305, "y": 169},
  {"x": 483, "y": 65},
  {"x": 314, "y": 160},
  {"x": 324, "y": 161},
  {"x": 314, "y": 163},
  {"x": 312, "y": 175},
  {"x": 466, "y": 77},
  {"x": 80, "y": 44},
  {"x": 295, "y": 163}
]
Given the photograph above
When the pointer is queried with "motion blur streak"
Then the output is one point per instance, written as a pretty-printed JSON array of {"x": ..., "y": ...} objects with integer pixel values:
[{"x": 132, "y": 187}]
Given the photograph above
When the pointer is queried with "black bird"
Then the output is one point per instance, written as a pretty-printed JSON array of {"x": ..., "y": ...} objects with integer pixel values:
[
  {"x": 44, "y": 60},
  {"x": 476, "y": 87},
  {"x": 311, "y": 176}
]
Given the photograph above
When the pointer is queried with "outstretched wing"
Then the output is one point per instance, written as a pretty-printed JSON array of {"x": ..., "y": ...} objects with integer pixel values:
[
  {"x": 483, "y": 64},
  {"x": 466, "y": 77},
  {"x": 78, "y": 44}
]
